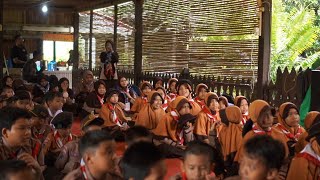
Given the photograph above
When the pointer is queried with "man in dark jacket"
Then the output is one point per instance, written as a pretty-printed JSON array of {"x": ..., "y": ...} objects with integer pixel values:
[{"x": 19, "y": 54}]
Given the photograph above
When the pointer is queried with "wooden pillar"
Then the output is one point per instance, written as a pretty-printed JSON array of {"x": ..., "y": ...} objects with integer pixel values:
[
  {"x": 76, "y": 77},
  {"x": 264, "y": 48},
  {"x": 54, "y": 51},
  {"x": 138, "y": 41},
  {"x": 90, "y": 39},
  {"x": 1, "y": 39},
  {"x": 76, "y": 41},
  {"x": 115, "y": 30}
]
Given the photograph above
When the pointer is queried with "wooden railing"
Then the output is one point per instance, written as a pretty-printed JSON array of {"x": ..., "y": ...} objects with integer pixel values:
[{"x": 284, "y": 89}]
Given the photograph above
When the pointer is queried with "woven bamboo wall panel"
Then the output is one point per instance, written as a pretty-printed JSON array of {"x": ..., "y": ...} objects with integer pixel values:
[
  {"x": 207, "y": 36},
  {"x": 103, "y": 29}
]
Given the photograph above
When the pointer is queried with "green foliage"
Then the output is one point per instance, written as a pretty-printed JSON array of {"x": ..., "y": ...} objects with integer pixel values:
[{"x": 293, "y": 33}]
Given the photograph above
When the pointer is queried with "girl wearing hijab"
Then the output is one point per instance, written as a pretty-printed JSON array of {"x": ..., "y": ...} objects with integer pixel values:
[
  {"x": 261, "y": 114},
  {"x": 95, "y": 99},
  {"x": 152, "y": 113},
  {"x": 127, "y": 94},
  {"x": 312, "y": 117},
  {"x": 184, "y": 88},
  {"x": 172, "y": 91},
  {"x": 207, "y": 118},
  {"x": 230, "y": 136},
  {"x": 243, "y": 103},
  {"x": 174, "y": 130},
  {"x": 306, "y": 164},
  {"x": 140, "y": 102},
  {"x": 165, "y": 97},
  {"x": 201, "y": 91},
  {"x": 289, "y": 119}
]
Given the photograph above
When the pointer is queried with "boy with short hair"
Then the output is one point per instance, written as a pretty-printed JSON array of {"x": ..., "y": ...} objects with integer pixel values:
[
  {"x": 60, "y": 136},
  {"x": 137, "y": 134},
  {"x": 22, "y": 99},
  {"x": 98, "y": 162},
  {"x": 54, "y": 102},
  {"x": 69, "y": 157},
  {"x": 18, "y": 169},
  {"x": 40, "y": 129},
  {"x": 16, "y": 141},
  {"x": 7, "y": 91},
  {"x": 201, "y": 162},
  {"x": 143, "y": 161},
  {"x": 262, "y": 159}
]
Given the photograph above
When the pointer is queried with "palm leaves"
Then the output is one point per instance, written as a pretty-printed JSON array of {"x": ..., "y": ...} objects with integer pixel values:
[{"x": 292, "y": 34}]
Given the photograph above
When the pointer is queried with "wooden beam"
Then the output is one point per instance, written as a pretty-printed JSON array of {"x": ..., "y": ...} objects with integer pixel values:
[
  {"x": 1, "y": 39},
  {"x": 264, "y": 48},
  {"x": 115, "y": 26},
  {"x": 76, "y": 41},
  {"x": 90, "y": 39},
  {"x": 99, "y": 4},
  {"x": 138, "y": 41}
]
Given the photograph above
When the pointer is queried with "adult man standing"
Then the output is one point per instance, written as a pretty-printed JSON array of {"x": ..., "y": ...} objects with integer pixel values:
[{"x": 18, "y": 53}]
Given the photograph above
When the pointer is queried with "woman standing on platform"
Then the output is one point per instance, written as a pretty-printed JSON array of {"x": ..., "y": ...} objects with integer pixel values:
[{"x": 109, "y": 59}]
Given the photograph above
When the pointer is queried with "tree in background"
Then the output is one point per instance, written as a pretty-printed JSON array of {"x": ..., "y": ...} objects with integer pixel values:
[{"x": 294, "y": 34}]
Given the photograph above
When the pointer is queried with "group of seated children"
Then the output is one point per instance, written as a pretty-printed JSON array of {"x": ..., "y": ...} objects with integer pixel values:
[{"x": 216, "y": 137}]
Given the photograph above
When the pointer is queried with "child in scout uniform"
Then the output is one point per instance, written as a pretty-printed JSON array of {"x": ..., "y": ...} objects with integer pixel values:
[
  {"x": 141, "y": 101},
  {"x": 201, "y": 91},
  {"x": 98, "y": 158},
  {"x": 172, "y": 91},
  {"x": 40, "y": 129},
  {"x": 115, "y": 121},
  {"x": 69, "y": 157},
  {"x": 16, "y": 142},
  {"x": 60, "y": 136}
]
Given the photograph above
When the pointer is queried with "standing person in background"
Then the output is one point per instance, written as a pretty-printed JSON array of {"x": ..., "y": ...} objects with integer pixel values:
[
  {"x": 19, "y": 54},
  {"x": 109, "y": 59}
]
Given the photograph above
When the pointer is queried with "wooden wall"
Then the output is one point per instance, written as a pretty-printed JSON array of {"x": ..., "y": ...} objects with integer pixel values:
[
  {"x": 14, "y": 19},
  {"x": 35, "y": 16}
]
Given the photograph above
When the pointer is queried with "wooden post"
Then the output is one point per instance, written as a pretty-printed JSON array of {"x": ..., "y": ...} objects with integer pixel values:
[
  {"x": 54, "y": 51},
  {"x": 76, "y": 41},
  {"x": 115, "y": 30},
  {"x": 90, "y": 39},
  {"x": 76, "y": 78},
  {"x": 264, "y": 48},
  {"x": 1, "y": 39},
  {"x": 138, "y": 41}
]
